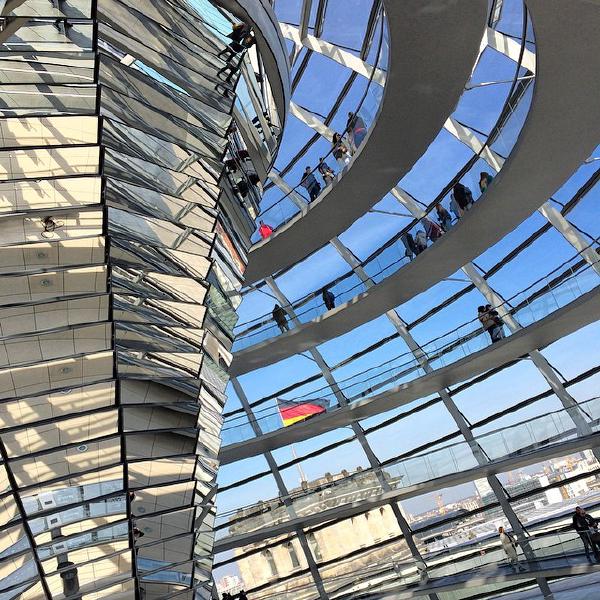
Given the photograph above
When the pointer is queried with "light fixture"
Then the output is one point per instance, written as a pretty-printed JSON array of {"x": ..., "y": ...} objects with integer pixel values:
[{"x": 82, "y": 448}]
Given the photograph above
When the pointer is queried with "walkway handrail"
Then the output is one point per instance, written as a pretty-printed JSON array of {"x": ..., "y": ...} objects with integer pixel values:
[
  {"x": 411, "y": 361},
  {"x": 348, "y": 128},
  {"x": 586, "y": 407},
  {"x": 494, "y": 134}
]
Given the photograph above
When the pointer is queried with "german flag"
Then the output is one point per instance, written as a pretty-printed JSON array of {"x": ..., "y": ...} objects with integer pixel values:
[{"x": 293, "y": 412}]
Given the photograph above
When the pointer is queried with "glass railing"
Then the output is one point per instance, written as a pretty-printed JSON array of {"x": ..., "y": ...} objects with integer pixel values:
[
  {"x": 284, "y": 208},
  {"x": 396, "y": 253},
  {"x": 563, "y": 285},
  {"x": 393, "y": 256},
  {"x": 544, "y": 552},
  {"x": 522, "y": 438}
]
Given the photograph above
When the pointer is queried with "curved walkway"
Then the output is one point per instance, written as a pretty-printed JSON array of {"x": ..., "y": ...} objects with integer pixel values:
[
  {"x": 561, "y": 130},
  {"x": 577, "y": 314},
  {"x": 273, "y": 50},
  {"x": 356, "y": 506},
  {"x": 428, "y": 67},
  {"x": 561, "y": 566}
]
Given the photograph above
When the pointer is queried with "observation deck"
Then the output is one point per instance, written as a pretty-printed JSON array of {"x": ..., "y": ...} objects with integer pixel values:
[
  {"x": 424, "y": 82},
  {"x": 562, "y": 129}
]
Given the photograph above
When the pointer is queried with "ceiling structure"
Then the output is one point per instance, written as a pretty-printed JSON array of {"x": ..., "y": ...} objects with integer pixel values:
[
  {"x": 416, "y": 398},
  {"x": 139, "y": 157}
]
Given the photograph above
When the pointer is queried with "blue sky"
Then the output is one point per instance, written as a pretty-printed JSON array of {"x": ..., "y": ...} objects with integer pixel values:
[{"x": 478, "y": 109}]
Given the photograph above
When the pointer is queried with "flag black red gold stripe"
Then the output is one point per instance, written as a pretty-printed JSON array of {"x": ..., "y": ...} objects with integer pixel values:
[{"x": 293, "y": 412}]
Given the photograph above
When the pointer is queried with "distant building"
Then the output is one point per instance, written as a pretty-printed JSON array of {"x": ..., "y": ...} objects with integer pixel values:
[{"x": 368, "y": 530}]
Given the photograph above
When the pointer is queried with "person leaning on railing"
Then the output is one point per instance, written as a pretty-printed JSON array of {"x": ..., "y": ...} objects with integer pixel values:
[
  {"x": 587, "y": 528},
  {"x": 490, "y": 320},
  {"x": 310, "y": 184},
  {"x": 326, "y": 171}
]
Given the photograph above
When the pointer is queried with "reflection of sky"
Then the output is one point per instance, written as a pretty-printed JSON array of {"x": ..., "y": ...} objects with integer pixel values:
[{"x": 478, "y": 109}]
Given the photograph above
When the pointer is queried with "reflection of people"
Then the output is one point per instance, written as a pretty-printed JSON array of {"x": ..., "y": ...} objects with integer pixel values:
[
  {"x": 242, "y": 595},
  {"x": 328, "y": 299},
  {"x": 490, "y": 320},
  {"x": 422, "y": 571},
  {"x": 239, "y": 33},
  {"x": 509, "y": 545},
  {"x": 280, "y": 317},
  {"x": 587, "y": 528},
  {"x": 241, "y": 38},
  {"x": 264, "y": 230},
  {"x": 356, "y": 128}
]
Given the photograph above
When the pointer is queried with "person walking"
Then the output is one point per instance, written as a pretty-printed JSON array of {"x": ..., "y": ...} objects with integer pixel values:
[
  {"x": 463, "y": 197},
  {"x": 340, "y": 150},
  {"x": 326, "y": 171},
  {"x": 492, "y": 323},
  {"x": 310, "y": 183},
  {"x": 280, "y": 317},
  {"x": 420, "y": 241},
  {"x": 443, "y": 217},
  {"x": 484, "y": 180},
  {"x": 509, "y": 545},
  {"x": 587, "y": 528},
  {"x": 264, "y": 230},
  {"x": 328, "y": 299},
  {"x": 433, "y": 230}
]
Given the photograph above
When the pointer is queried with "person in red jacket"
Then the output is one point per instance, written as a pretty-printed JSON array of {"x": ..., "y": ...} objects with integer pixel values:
[{"x": 264, "y": 230}]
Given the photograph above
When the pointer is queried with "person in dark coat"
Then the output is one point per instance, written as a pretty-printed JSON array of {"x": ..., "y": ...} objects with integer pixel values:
[
  {"x": 280, "y": 317},
  {"x": 328, "y": 299},
  {"x": 490, "y": 320},
  {"x": 484, "y": 180},
  {"x": 463, "y": 197},
  {"x": 410, "y": 248},
  {"x": 587, "y": 528},
  {"x": 310, "y": 183}
]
